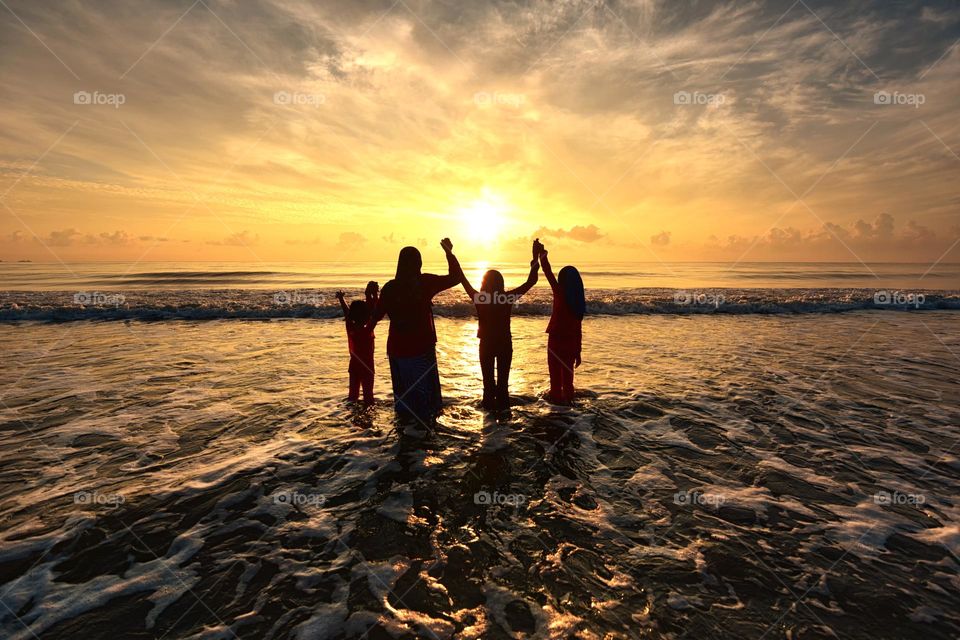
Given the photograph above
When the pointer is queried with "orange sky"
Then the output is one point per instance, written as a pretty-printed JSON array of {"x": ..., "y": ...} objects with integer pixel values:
[{"x": 640, "y": 130}]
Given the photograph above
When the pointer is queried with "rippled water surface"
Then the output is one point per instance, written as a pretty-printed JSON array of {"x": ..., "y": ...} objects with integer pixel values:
[{"x": 721, "y": 476}]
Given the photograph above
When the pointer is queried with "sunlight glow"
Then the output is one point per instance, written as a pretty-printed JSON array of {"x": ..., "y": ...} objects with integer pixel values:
[{"x": 483, "y": 219}]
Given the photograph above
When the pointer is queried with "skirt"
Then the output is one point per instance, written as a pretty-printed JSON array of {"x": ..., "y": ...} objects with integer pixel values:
[{"x": 416, "y": 386}]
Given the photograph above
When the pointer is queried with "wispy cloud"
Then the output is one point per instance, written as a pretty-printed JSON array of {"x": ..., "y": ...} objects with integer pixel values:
[{"x": 380, "y": 123}]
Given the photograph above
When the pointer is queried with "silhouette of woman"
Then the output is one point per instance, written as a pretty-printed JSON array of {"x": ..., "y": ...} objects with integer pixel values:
[{"x": 412, "y": 338}]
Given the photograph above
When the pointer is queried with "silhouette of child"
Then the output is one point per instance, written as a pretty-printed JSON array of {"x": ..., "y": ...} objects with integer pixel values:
[
  {"x": 494, "y": 306},
  {"x": 361, "y": 338},
  {"x": 564, "y": 343}
]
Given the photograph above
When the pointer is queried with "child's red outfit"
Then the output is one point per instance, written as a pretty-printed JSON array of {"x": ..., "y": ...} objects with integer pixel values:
[
  {"x": 564, "y": 343},
  {"x": 361, "y": 342}
]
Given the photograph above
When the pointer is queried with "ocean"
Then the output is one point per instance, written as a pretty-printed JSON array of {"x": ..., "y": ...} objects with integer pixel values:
[{"x": 756, "y": 451}]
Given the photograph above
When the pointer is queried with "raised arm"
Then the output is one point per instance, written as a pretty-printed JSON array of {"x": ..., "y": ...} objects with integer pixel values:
[
  {"x": 372, "y": 294},
  {"x": 468, "y": 287},
  {"x": 343, "y": 305},
  {"x": 380, "y": 310},
  {"x": 531, "y": 280},
  {"x": 454, "y": 272},
  {"x": 547, "y": 271}
]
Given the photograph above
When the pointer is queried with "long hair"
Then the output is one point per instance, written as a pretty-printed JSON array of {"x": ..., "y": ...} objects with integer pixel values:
[
  {"x": 403, "y": 291},
  {"x": 571, "y": 284},
  {"x": 492, "y": 281}
]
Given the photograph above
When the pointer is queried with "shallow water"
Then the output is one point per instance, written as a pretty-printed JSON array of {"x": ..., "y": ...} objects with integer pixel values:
[{"x": 721, "y": 476}]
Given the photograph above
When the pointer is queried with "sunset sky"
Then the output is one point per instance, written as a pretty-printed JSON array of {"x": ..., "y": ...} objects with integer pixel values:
[{"x": 341, "y": 130}]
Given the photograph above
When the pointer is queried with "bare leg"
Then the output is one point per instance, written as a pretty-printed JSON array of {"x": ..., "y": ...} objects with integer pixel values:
[
  {"x": 504, "y": 360},
  {"x": 486, "y": 369}
]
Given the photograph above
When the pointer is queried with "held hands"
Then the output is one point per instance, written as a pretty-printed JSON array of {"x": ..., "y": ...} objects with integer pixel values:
[
  {"x": 447, "y": 245},
  {"x": 537, "y": 250},
  {"x": 373, "y": 288},
  {"x": 340, "y": 295}
]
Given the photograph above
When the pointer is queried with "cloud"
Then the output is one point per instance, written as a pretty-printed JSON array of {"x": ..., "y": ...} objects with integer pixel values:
[
  {"x": 239, "y": 239},
  {"x": 61, "y": 238},
  {"x": 589, "y": 233},
  {"x": 662, "y": 239},
  {"x": 860, "y": 240},
  {"x": 351, "y": 240},
  {"x": 115, "y": 238},
  {"x": 399, "y": 131}
]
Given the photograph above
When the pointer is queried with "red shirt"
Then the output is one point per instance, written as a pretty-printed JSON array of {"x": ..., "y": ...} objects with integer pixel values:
[
  {"x": 564, "y": 323},
  {"x": 361, "y": 340},
  {"x": 412, "y": 332}
]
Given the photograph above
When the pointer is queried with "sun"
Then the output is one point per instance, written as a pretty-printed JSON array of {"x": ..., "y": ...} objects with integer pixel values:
[{"x": 483, "y": 218}]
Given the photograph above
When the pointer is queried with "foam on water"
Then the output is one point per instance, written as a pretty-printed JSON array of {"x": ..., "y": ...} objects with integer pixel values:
[
  {"x": 200, "y": 304},
  {"x": 720, "y": 476}
]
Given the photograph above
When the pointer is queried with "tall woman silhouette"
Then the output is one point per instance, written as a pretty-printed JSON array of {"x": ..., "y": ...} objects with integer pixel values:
[{"x": 412, "y": 338}]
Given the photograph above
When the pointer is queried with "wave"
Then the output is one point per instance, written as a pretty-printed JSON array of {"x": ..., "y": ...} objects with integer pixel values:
[{"x": 213, "y": 304}]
